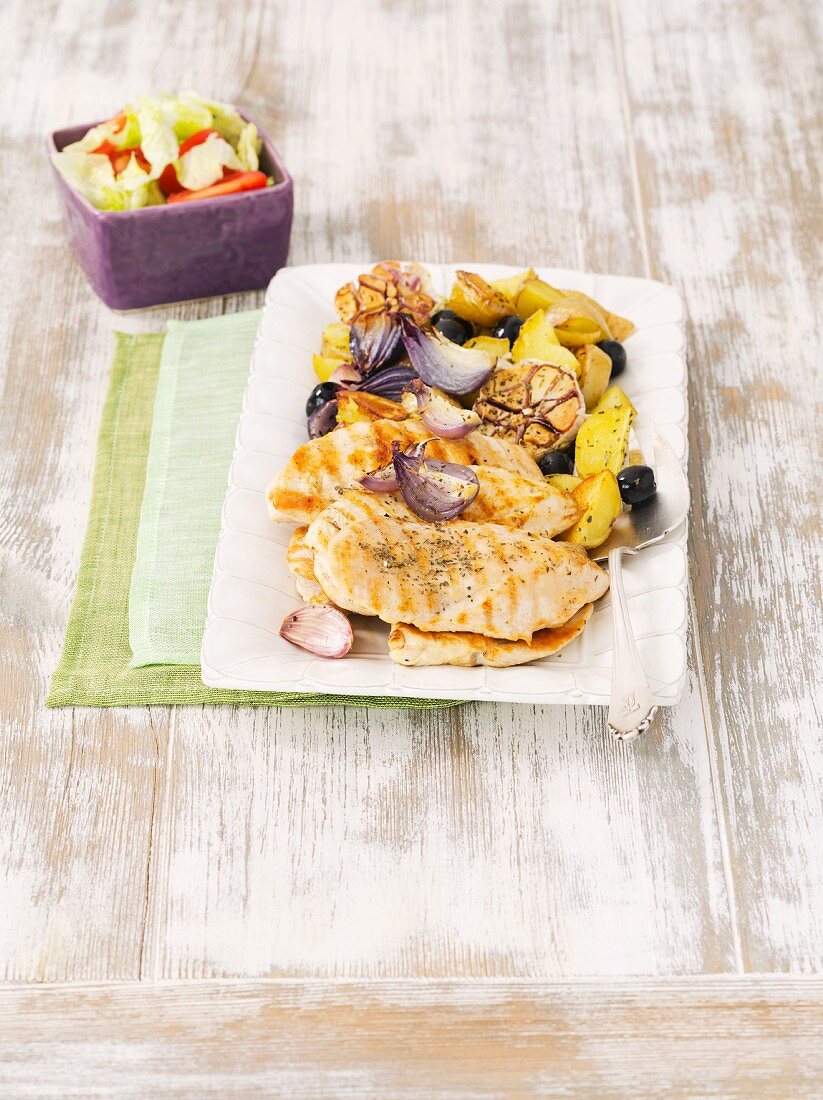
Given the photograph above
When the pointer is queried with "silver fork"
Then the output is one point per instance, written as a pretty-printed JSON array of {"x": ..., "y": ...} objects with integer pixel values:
[{"x": 632, "y": 705}]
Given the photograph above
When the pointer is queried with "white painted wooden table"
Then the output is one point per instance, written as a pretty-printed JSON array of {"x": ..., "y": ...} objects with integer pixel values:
[{"x": 591, "y": 917}]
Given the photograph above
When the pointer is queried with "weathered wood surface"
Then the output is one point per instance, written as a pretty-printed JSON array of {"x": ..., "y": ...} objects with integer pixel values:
[
  {"x": 639, "y": 138},
  {"x": 728, "y": 143},
  {"x": 697, "y": 1038}
]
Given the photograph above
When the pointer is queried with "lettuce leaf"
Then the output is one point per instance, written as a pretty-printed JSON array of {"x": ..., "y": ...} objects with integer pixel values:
[
  {"x": 186, "y": 116},
  {"x": 93, "y": 176},
  {"x": 248, "y": 147},
  {"x": 157, "y": 137},
  {"x": 226, "y": 119},
  {"x": 89, "y": 173},
  {"x": 203, "y": 165}
]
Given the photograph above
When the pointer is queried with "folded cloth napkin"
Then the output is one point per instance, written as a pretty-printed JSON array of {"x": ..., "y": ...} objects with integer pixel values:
[
  {"x": 95, "y": 667},
  {"x": 203, "y": 371}
]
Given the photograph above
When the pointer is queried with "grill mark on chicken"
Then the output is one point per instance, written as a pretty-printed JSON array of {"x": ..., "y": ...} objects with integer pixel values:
[
  {"x": 321, "y": 468},
  {"x": 435, "y": 574}
]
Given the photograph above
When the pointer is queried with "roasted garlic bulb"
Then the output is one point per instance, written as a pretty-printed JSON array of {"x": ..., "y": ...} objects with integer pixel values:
[
  {"x": 389, "y": 288},
  {"x": 536, "y": 404}
]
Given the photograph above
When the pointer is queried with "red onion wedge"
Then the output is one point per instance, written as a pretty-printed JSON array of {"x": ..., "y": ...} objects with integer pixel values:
[
  {"x": 385, "y": 479},
  {"x": 436, "y": 491},
  {"x": 347, "y": 375},
  {"x": 441, "y": 363},
  {"x": 440, "y": 416},
  {"x": 373, "y": 341},
  {"x": 320, "y": 629},
  {"x": 388, "y": 381},
  {"x": 380, "y": 481}
]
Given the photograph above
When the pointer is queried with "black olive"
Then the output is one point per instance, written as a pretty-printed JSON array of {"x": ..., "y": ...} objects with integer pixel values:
[
  {"x": 454, "y": 328},
  {"x": 556, "y": 462},
  {"x": 637, "y": 484},
  {"x": 617, "y": 353},
  {"x": 320, "y": 395},
  {"x": 508, "y": 329}
]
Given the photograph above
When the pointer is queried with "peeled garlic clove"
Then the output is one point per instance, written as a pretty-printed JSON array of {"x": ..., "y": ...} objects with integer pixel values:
[{"x": 320, "y": 629}]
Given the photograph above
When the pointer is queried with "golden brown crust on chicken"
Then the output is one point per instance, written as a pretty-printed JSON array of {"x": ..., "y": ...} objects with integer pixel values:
[
  {"x": 410, "y": 646},
  {"x": 478, "y": 577},
  {"x": 322, "y": 469}
]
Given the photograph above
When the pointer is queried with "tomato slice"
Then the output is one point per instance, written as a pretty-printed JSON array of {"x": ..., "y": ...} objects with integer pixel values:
[
  {"x": 195, "y": 139},
  {"x": 229, "y": 185},
  {"x": 168, "y": 182},
  {"x": 106, "y": 148},
  {"x": 120, "y": 159}
]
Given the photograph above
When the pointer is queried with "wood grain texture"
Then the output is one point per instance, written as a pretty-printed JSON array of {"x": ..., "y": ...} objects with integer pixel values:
[
  {"x": 493, "y": 841},
  {"x": 735, "y": 219},
  {"x": 350, "y": 844},
  {"x": 697, "y": 1038}
]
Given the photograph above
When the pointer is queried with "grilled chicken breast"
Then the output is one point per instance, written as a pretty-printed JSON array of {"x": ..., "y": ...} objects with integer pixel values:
[
  {"x": 300, "y": 560},
  {"x": 478, "y": 577},
  {"x": 322, "y": 469},
  {"x": 504, "y": 497},
  {"x": 410, "y": 646}
]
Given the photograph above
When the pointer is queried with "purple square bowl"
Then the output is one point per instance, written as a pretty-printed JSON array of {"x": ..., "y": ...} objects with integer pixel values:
[{"x": 137, "y": 258}]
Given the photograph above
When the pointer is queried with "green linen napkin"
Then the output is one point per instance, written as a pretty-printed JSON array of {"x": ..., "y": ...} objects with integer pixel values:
[
  {"x": 204, "y": 367},
  {"x": 95, "y": 667}
]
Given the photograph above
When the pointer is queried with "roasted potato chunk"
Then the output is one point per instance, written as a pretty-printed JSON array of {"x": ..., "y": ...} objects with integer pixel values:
[
  {"x": 535, "y": 338},
  {"x": 567, "y": 482},
  {"x": 496, "y": 346},
  {"x": 602, "y": 441},
  {"x": 595, "y": 372},
  {"x": 614, "y": 398},
  {"x": 512, "y": 286},
  {"x": 324, "y": 367},
  {"x": 335, "y": 342},
  {"x": 534, "y": 295},
  {"x": 599, "y": 497}
]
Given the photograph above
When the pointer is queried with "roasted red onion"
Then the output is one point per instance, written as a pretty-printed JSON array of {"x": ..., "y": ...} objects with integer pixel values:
[
  {"x": 346, "y": 375},
  {"x": 441, "y": 363},
  {"x": 322, "y": 420},
  {"x": 374, "y": 340},
  {"x": 381, "y": 481},
  {"x": 389, "y": 381},
  {"x": 385, "y": 479},
  {"x": 320, "y": 629},
  {"x": 436, "y": 491},
  {"x": 440, "y": 416}
]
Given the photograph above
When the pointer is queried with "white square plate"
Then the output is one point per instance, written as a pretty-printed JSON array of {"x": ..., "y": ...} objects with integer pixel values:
[{"x": 252, "y": 590}]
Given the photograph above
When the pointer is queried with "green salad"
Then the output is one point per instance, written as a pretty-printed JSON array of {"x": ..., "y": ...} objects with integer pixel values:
[{"x": 164, "y": 149}]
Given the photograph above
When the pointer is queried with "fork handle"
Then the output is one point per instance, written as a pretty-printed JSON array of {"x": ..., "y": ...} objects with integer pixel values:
[{"x": 632, "y": 705}]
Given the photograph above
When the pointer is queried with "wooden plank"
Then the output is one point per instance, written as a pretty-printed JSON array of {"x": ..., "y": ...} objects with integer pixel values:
[
  {"x": 496, "y": 841},
  {"x": 77, "y": 790},
  {"x": 489, "y": 841},
  {"x": 695, "y": 1038},
  {"x": 724, "y": 108}
]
